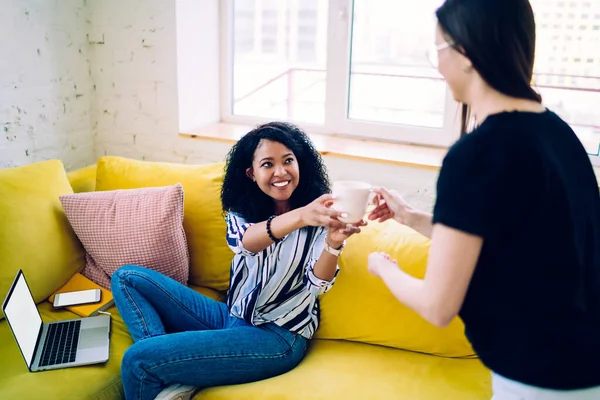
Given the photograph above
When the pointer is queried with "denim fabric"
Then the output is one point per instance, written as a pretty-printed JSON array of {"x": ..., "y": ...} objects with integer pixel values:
[{"x": 181, "y": 336}]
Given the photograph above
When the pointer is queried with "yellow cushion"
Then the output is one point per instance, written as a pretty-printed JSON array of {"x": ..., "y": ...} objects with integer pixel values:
[
  {"x": 35, "y": 235},
  {"x": 212, "y": 293},
  {"x": 99, "y": 382},
  {"x": 203, "y": 219},
  {"x": 359, "y": 306},
  {"x": 335, "y": 369},
  {"x": 83, "y": 180}
]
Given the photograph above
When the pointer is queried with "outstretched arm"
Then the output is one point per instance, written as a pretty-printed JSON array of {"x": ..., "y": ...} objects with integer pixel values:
[
  {"x": 326, "y": 266},
  {"x": 420, "y": 221},
  {"x": 439, "y": 296},
  {"x": 323, "y": 268},
  {"x": 253, "y": 237},
  {"x": 391, "y": 205},
  {"x": 256, "y": 239}
]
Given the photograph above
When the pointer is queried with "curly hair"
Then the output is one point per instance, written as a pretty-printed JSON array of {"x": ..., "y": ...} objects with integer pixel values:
[{"x": 240, "y": 195}]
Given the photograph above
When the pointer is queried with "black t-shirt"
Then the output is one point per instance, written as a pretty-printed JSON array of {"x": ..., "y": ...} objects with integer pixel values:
[{"x": 524, "y": 183}]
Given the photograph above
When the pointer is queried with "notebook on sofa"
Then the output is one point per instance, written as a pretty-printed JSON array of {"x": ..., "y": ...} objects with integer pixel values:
[{"x": 80, "y": 282}]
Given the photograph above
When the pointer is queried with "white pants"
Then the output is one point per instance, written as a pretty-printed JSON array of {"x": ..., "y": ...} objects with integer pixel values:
[{"x": 506, "y": 389}]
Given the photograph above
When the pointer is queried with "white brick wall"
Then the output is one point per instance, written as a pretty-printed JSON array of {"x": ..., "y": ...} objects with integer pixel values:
[
  {"x": 45, "y": 85},
  {"x": 133, "y": 47}
]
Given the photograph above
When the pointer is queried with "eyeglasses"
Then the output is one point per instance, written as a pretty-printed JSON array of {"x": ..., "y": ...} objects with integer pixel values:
[{"x": 434, "y": 50}]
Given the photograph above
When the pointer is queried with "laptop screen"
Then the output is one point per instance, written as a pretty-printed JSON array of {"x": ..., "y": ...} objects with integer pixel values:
[{"x": 23, "y": 317}]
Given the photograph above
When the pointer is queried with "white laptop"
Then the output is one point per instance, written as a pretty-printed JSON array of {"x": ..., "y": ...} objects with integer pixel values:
[{"x": 53, "y": 345}]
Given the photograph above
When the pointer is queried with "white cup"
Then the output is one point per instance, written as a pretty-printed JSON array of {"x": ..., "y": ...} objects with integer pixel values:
[{"x": 352, "y": 198}]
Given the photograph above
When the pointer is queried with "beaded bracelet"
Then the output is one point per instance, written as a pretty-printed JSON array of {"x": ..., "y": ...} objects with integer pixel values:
[{"x": 273, "y": 238}]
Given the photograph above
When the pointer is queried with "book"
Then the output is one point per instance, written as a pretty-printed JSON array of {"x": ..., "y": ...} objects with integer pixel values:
[{"x": 80, "y": 282}]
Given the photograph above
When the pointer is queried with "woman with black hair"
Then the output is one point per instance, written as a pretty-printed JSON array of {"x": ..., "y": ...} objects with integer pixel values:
[
  {"x": 515, "y": 230},
  {"x": 286, "y": 241},
  {"x": 285, "y": 236}
]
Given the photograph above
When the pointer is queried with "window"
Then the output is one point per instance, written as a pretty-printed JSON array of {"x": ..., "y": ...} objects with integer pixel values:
[
  {"x": 574, "y": 92},
  {"x": 351, "y": 67},
  {"x": 389, "y": 65},
  {"x": 282, "y": 76},
  {"x": 361, "y": 67}
]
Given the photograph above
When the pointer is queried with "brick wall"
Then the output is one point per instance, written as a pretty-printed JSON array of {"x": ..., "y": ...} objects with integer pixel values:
[
  {"x": 133, "y": 46},
  {"x": 45, "y": 85}
]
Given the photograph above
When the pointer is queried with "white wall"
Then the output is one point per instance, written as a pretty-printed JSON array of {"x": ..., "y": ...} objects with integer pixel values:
[
  {"x": 153, "y": 74},
  {"x": 45, "y": 85},
  {"x": 198, "y": 63},
  {"x": 133, "y": 47}
]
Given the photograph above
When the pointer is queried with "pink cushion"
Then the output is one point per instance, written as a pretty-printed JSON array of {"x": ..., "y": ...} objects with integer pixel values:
[{"x": 140, "y": 226}]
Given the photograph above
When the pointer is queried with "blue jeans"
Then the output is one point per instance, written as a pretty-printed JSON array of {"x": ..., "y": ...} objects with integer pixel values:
[{"x": 181, "y": 336}]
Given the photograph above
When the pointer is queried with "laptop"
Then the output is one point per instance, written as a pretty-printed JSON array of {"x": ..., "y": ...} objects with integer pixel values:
[{"x": 53, "y": 345}]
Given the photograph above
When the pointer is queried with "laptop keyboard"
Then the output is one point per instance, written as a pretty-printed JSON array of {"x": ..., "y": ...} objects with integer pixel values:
[{"x": 60, "y": 346}]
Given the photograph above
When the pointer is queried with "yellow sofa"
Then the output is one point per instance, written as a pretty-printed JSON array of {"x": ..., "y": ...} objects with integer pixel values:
[{"x": 368, "y": 345}]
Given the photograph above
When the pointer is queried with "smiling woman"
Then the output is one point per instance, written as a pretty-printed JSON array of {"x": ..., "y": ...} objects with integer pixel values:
[
  {"x": 276, "y": 172},
  {"x": 286, "y": 241},
  {"x": 261, "y": 163}
]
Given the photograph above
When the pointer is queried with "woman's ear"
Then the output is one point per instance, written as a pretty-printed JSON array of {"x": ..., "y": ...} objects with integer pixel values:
[
  {"x": 467, "y": 65},
  {"x": 250, "y": 174}
]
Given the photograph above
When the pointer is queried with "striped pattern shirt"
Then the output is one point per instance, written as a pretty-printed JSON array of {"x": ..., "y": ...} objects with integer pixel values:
[{"x": 278, "y": 284}]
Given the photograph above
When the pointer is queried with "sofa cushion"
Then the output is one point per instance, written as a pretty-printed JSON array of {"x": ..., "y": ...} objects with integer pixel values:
[
  {"x": 83, "y": 180},
  {"x": 35, "y": 235},
  {"x": 203, "y": 220},
  {"x": 336, "y": 369},
  {"x": 138, "y": 226},
  {"x": 212, "y": 293},
  {"x": 359, "y": 307}
]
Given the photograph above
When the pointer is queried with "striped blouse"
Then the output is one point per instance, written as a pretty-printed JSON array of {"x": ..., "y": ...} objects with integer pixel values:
[{"x": 277, "y": 284}]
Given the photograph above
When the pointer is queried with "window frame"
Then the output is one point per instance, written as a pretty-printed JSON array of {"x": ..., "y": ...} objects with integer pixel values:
[
  {"x": 337, "y": 89},
  {"x": 337, "y": 123}
]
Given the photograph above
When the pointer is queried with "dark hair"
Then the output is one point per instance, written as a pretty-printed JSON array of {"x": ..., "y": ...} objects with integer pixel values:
[
  {"x": 239, "y": 194},
  {"x": 498, "y": 36}
]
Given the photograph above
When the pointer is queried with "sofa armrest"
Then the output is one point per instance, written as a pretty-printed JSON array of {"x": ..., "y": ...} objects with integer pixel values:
[{"x": 84, "y": 179}]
